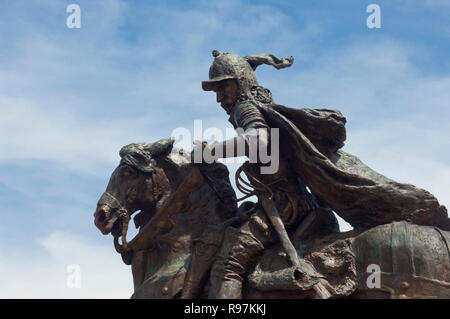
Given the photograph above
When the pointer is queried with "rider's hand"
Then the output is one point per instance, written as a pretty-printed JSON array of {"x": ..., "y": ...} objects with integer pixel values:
[{"x": 245, "y": 211}]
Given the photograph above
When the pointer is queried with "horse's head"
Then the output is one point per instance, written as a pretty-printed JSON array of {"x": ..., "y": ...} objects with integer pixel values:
[
  {"x": 177, "y": 200},
  {"x": 138, "y": 183}
]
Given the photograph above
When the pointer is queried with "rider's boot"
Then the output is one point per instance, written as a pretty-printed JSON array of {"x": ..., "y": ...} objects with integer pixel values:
[
  {"x": 236, "y": 255},
  {"x": 203, "y": 255}
]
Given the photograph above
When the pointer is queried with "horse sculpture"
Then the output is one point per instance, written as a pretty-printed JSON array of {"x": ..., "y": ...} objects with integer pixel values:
[{"x": 179, "y": 201}]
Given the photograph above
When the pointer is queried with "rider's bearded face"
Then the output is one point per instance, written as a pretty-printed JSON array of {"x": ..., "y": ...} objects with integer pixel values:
[{"x": 227, "y": 94}]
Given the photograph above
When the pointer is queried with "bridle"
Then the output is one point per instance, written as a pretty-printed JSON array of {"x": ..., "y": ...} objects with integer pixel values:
[{"x": 124, "y": 217}]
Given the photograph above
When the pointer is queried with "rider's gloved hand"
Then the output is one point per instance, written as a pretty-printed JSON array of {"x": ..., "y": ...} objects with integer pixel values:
[{"x": 245, "y": 211}]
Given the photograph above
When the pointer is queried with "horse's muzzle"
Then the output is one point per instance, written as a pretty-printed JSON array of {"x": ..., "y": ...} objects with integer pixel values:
[{"x": 103, "y": 219}]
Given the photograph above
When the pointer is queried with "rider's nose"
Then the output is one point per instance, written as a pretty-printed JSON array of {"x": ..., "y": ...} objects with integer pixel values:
[{"x": 219, "y": 97}]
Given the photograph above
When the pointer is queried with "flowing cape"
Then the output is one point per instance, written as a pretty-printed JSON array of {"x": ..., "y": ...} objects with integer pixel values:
[{"x": 312, "y": 139}]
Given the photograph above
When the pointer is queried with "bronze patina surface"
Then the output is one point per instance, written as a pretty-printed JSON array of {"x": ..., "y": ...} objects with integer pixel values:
[{"x": 195, "y": 241}]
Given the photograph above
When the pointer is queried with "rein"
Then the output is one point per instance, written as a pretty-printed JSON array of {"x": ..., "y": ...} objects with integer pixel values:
[
  {"x": 125, "y": 218},
  {"x": 255, "y": 188}
]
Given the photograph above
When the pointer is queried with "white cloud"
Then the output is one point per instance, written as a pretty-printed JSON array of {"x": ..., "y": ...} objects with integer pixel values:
[
  {"x": 406, "y": 153},
  {"x": 77, "y": 97},
  {"x": 44, "y": 274},
  {"x": 32, "y": 132}
]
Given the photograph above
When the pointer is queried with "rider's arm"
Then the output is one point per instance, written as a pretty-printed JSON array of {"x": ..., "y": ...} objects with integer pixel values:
[{"x": 252, "y": 130}]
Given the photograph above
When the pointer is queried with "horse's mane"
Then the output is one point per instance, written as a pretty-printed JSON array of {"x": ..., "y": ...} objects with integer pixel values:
[{"x": 143, "y": 156}]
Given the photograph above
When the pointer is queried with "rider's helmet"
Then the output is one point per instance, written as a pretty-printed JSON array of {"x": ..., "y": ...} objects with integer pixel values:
[{"x": 232, "y": 66}]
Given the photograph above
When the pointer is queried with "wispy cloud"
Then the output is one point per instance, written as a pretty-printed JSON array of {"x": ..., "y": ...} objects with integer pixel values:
[
  {"x": 102, "y": 273},
  {"x": 32, "y": 132}
]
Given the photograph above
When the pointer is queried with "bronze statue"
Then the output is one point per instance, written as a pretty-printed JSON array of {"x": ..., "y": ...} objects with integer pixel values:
[{"x": 195, "y": 242}]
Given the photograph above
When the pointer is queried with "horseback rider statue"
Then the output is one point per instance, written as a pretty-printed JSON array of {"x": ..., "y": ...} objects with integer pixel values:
[
  {"x": 287, "y": 244},
  {"x": 283, "y": 199}
]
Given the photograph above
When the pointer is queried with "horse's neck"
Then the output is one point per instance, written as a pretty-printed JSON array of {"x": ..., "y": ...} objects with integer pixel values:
[
  {"x": 191, "y": 223},
  {"x": 173, "y": 247}
]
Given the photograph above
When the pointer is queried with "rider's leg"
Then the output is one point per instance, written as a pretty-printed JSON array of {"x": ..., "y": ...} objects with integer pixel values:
[
  {"x": 205, "y": 249},
  {"x": 237, "y": 254},
  {"x": 203, "y": 254}
]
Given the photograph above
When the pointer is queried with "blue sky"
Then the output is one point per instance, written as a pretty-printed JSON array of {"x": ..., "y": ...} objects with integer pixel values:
[{"x": 70, "y": 98}]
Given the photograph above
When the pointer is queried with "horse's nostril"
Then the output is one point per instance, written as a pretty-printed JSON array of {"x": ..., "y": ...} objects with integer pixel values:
[{"x": 102, "y": 215}]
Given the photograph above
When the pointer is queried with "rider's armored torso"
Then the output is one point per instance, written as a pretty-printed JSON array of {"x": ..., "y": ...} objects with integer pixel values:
[{"x": 291, "y": 196}]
